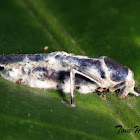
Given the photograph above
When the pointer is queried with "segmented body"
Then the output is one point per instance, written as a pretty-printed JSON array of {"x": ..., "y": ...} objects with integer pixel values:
[{"x": 53, "y": 71}]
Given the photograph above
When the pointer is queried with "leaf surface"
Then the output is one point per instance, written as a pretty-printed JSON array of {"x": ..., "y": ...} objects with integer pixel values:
[{"x": 92, "y": 28}]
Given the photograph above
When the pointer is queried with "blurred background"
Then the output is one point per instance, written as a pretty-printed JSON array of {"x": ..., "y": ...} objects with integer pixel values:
[{"x": 86, "y": 27}]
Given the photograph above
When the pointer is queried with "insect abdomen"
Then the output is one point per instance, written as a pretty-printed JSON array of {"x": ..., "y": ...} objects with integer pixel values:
[{"x": 8, "y": 59}]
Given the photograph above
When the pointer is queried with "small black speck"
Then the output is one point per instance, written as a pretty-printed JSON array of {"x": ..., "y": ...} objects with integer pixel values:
[{"x": 1, "y": 68}]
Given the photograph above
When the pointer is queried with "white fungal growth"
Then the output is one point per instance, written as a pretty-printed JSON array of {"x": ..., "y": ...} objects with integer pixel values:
[{"x": 52, "y": 71}]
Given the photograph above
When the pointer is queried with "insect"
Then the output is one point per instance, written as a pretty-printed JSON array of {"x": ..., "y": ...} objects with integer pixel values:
[{"x": 69, "y": 72}]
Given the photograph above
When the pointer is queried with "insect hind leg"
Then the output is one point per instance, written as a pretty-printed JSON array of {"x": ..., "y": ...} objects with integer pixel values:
[
  {"x": 72, "y": 89},
  {"x": 79, "y": 71},
  {"x": 72, "y": 85}
]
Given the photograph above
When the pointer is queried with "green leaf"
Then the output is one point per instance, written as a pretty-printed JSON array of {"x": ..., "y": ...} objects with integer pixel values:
[{"x": 92, "y": 28}]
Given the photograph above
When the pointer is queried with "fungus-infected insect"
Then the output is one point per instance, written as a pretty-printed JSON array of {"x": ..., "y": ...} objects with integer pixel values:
[{"x": 68, "y": 72}]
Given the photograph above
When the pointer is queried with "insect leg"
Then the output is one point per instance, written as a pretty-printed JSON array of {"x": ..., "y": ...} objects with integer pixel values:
[
  {"x": 122, "y": 93},
  {"x": 117, "y": 86},
  {"x": 72, "y": 89},
  {"x": 88, "y": 75},
  {"x": 122, "y": 84},
  {"x": 77, "y": 70},
  {"x": 72, "y": 85},
  {"x": 137, "y": 93}
]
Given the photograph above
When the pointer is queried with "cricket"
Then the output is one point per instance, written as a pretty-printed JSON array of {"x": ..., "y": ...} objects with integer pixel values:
[{"x": 69, "y": 73}]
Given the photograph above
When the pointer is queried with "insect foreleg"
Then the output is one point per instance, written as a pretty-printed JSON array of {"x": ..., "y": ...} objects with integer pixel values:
[{"x": 124, "y": 92}]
